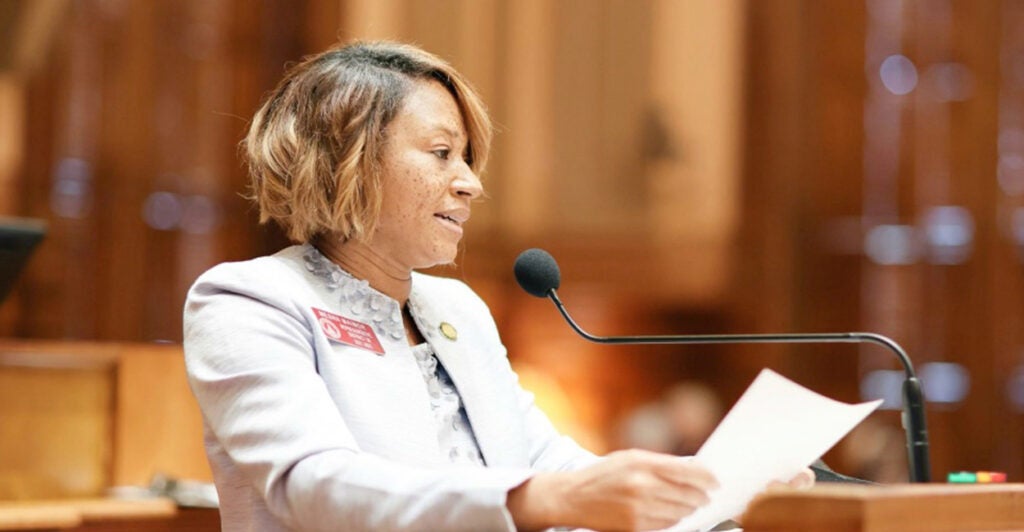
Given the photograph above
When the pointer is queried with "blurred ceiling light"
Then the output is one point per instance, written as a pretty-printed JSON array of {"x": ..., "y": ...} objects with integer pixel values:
[
  {"x": 201, "y": 214},
  {"x": 71, "y": 195},
  {"x": 892, "y": 245},
  {"x": 944, "y": 382},
  {"x": 162, "y": 211},
  {"x": 1010, "y": 173},
  {"x": 884, "y": 384},
  {"x": 949, "y": 234},
  {"x": 898, "y": 74}
]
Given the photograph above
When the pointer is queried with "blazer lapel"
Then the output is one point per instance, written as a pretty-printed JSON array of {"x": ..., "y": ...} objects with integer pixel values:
[
  {"x": 473, "y": 381},
  {"x": 486, "y": 423}
]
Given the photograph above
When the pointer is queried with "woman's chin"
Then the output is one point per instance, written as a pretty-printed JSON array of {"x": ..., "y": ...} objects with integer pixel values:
[
  {"x": 442, "y": 260},
  {"x": 446, "y": 263}
]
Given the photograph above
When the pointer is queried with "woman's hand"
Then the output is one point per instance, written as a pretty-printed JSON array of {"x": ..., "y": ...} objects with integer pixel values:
[
  {"x": 803, "y": 480},
  {"x": 628, "y": 490}
]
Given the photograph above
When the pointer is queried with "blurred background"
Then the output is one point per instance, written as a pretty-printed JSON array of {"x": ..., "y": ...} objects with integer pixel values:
[{"x": 696, "y": 166}]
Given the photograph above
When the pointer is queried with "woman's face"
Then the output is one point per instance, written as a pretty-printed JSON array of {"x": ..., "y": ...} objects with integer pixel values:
[{"x": 426, "y": 183}]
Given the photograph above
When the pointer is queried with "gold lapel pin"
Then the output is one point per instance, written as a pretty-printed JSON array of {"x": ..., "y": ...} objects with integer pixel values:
[{"x": 449, "y": 331}]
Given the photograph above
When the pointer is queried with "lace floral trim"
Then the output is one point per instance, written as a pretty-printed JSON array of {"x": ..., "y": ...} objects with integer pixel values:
[
  {"x": 357, "y": 295},
  {"x": 454, "y": 432},
  {"x": 414, "y": 309}
]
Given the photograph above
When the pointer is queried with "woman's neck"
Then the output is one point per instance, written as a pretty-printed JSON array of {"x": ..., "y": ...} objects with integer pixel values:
[{"x": 360, "y": 260}]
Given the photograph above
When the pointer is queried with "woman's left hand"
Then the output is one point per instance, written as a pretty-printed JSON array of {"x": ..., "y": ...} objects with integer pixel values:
[{"x": 803, "y": 480}]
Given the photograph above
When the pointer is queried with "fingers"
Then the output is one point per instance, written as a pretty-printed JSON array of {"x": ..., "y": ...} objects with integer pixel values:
[
  {"x": 666, "y": 503},
  {"x": 683, "y": 472},
  {"x": 661, "y": 515},
  {"x": 668, "y": 488},
  {"x": 684, "y": 485},
  {"x": 640, "y": 490},
  {"x": 681, "y": 500},
  {"x": 803, "y": 480}
]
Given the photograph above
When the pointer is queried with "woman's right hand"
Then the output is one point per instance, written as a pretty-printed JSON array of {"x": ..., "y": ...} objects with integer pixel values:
[{"x": 627, "y": 490}]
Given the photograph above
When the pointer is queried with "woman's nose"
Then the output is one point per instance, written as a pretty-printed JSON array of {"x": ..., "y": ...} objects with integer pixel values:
[{"x": 467, "y": 184}]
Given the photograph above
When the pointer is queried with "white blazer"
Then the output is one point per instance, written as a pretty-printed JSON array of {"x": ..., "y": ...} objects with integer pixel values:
[{"x": 307, "y": 433}]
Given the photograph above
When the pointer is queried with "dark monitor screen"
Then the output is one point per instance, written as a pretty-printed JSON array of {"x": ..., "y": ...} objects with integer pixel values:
[{"x": 18, "y": 237}]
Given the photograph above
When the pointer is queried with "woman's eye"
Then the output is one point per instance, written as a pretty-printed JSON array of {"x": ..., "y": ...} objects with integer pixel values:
[{"x": 442, "y": 153}]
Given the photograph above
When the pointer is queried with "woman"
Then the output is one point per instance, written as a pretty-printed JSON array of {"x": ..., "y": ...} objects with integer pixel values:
[{"x": 343, "y": 391}]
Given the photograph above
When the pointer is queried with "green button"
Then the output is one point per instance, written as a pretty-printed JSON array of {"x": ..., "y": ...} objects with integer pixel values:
[{"x": 962, "y": 477}]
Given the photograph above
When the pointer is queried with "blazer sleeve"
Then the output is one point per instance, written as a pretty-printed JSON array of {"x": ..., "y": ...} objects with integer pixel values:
[{"x": 251, "y": 366}]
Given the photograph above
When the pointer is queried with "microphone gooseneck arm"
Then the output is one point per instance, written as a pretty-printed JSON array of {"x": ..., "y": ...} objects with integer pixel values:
[{"x": 913, "y": 398}]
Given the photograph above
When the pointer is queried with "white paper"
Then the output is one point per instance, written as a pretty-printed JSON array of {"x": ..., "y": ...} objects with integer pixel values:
[{"x": 775, "y": 430}]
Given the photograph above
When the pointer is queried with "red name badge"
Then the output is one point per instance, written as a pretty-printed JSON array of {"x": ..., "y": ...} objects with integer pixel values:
[{"x": 348, "y": 332}]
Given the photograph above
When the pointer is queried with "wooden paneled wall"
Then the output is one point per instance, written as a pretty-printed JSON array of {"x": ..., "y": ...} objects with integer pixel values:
[
  {"x": 834, "y": 154},
  {"x": 699, "y": 166}
]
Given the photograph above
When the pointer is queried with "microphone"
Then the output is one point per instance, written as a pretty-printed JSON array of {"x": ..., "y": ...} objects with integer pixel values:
[{"x": 537, "y": 272}]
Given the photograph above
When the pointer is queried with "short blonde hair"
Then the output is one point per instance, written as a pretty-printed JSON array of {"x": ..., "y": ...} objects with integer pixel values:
[{"x": 314, "y": 147}]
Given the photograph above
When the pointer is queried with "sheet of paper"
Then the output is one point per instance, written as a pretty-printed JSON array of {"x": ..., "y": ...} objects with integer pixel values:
[{"x": 776, "y": 429}]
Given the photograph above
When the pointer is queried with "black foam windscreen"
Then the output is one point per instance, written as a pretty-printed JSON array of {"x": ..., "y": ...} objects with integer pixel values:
[{"x": 537, "y": 272}]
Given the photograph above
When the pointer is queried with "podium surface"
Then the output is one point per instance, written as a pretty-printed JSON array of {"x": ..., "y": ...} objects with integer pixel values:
[{"x": 902, "y": 507}]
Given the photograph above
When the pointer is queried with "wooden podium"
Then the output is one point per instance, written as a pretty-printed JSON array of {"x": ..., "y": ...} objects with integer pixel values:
[
  {"x": 77, "y": 418},
  {"x": 903, "y": 507}
]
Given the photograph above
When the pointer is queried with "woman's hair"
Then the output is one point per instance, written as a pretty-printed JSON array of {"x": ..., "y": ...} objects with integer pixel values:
[{"x": 314, "y": 147}]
